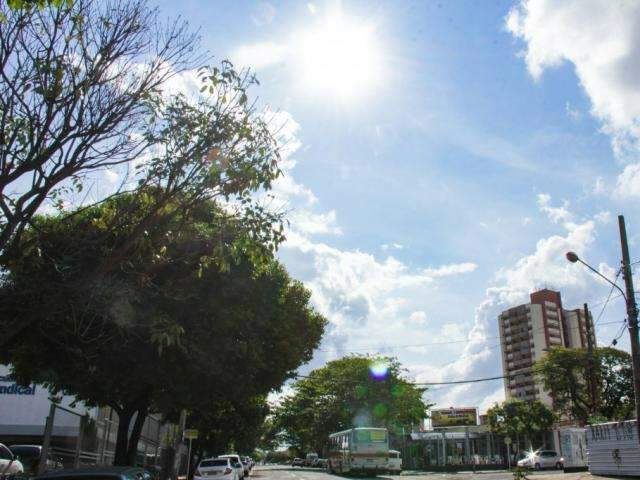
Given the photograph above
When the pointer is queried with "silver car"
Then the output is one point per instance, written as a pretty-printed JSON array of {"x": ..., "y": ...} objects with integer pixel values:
[
  {"x": 542, "y": 459},
  {"x": 220, "y": 468}
]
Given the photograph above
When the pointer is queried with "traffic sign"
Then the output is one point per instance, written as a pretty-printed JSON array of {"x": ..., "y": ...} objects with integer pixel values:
[
  {"x": 190, "y": 434},
  {"x": 507, "y": 440}
]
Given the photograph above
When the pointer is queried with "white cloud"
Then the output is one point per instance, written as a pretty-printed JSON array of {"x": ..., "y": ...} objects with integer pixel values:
[
  {"x": 526, "y": 221},
  {"x": 449, "y": 270},
  {"x": 555, "y": 214},
  {"x": 111, "y": 176},
  {"x": 480, "y": 356},
  {"x": 391, "y": 246},
  {"x": 452, "y": 331},
  {"x": 418, "y": 318},
  {"x": 490, "y": 400},
  {"x": 599, "y": 187},
  {"x": 628, "y": 184},
  {"x": 572, "y": 112},
  {"x": 601, "y": 39},
  {"x": 259, "y": 55},
  {"x": 307, "y": 222},
  {"x": 603, "y": 217}
]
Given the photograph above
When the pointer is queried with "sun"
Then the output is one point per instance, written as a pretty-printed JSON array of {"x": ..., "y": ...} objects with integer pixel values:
[{"x": 340, "y": 57}]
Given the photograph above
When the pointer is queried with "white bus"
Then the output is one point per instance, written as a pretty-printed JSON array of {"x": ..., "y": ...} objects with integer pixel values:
[{"x": 358, "y": 450}]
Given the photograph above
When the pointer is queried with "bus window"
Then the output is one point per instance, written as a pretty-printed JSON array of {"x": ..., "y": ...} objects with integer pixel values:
[{"x": 370, "y": 436}]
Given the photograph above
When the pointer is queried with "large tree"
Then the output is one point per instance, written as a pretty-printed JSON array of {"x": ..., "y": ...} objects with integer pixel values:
[
  {"x": 521, "y": 420},
  {"x": 345, "y": 393},
  {"x": 565, "y": 371},
  {"x": 78, "y": 82},
  {"x": 209, "y": 148},
  {"x": 187, "y": 317}
]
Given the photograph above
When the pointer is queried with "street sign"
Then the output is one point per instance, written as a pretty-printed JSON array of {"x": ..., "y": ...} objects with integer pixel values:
[
  {"x": 190, "y": 434},
  {"x": 507, "y": 440}
]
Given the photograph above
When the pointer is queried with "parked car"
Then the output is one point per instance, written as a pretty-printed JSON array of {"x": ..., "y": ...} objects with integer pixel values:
[
  {"x": 297, "y": 462},
  {"x": 29, "y": 456},
  {"x": 322, "y": 463},
  {"x": 310, "y": 459},
  {"x": 221, "y": 468},
  {"x": 394, "y": 464},
  {"x": 542, "y": 459},
  {"x": 9, "y": 464},
  {"x": 250, "y": 462},
  {"x": 236, "y": 463},
  {"x": 93, "y": 473}
]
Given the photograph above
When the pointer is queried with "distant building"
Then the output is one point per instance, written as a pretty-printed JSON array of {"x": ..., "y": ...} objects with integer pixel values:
[{"x": 526, "y": 331}]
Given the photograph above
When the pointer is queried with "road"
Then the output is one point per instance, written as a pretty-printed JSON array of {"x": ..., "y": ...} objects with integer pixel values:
[{"x": 283, "y": 472}]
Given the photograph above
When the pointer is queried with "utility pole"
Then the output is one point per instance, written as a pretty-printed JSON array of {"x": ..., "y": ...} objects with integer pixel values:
[
  {"x": 632, "y": 316},
  {"x": 591, "y": 363}
]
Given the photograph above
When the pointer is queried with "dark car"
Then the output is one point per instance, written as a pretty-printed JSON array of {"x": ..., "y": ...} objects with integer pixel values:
[
  {"x": 97, "y": 473},
  {"x": 29, "y": 456}
]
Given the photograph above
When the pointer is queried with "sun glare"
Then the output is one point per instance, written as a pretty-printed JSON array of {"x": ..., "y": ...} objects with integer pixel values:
[{"x": 340, "y": 57}]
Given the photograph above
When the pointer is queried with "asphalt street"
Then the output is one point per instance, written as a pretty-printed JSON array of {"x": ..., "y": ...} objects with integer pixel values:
[{"x": 283, "y": 472}]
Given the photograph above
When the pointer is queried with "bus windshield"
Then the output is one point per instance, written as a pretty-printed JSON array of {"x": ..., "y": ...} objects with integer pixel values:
[{"x": 370, "y": 436}]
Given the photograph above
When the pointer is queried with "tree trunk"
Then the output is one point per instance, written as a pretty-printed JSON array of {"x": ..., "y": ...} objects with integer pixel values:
[
  {"x": 136, "y": 431},
  {"x": 122, "y": 439},
  {"x": 127, "y": 444}
]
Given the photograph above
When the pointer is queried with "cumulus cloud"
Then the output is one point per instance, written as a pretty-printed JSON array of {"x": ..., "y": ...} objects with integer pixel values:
[
  {"x": 602, "y": 40},
  {"x": 628, "y": 184},
  {"x": 555, "y": 214},
  {"x": 603, "y": 217},
  {"x": 307, "y": 222},
  {"x": 391, "y": 246},
  {"x": 546, "y": 266},
  {"x": 418, "y": 318},
  {"x": 451, "y": 269}
]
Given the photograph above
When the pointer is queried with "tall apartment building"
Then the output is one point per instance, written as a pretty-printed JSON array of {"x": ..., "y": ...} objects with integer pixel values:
[{"x": 526, "y": 331}]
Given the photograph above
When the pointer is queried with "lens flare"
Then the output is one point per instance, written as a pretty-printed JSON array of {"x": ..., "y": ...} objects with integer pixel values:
[{"x": 379, "y": 370}]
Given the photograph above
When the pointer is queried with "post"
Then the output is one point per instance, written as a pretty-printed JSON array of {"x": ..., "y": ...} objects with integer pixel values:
[
  {"x": 467, "y": 445},
  {"x": 591, "y": 363},
  {"x": 509, "y": 456},
  {"x": 189, "y": 458},
  {"x": 46, "y": 441},
  {"x": 76, "y": 458},
  {"x": 632, "y": 315},
  {"x": 106, "y": 435}
]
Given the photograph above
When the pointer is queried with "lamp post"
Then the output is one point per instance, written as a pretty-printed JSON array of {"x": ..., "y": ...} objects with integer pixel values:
[{"x": 632, "y": 309}]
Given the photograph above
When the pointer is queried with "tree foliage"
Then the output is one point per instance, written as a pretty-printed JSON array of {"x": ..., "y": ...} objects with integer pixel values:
[
  {"x": 77, "y": 85},
  {"x": 214, "y": 148},
  {"x": 519, "y": 419},
  {"x": 344, "y": 394},
  {"x": 564, "y": 372},
  {"x": 186, "y": 318}
]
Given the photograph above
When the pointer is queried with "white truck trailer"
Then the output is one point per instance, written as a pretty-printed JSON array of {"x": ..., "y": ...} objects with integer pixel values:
[{"x": 613, "y": 449}]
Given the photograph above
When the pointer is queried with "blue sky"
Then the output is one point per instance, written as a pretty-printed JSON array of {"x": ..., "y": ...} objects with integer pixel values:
[{"x": 441, "y": 159}]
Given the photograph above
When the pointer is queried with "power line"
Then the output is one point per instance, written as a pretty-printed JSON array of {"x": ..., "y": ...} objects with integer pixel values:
[
  {"x": 604, "y": 306},
  {"x": 448, "y": 342}
]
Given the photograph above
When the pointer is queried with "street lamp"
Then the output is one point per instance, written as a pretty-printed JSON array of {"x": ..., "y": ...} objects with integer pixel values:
[
  {"x": 632, "y": 309},
  {"x": 574, "y": 258}
]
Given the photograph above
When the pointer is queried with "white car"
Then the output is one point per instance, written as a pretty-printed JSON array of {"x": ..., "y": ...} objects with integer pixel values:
[
  {"x": 9, "y": 464},
  {"x": 542, "y": 459},
  {"x": 394, "y": 464},
  {"x": 236, "y": 463},
  {"x": 221, "y": 468}
]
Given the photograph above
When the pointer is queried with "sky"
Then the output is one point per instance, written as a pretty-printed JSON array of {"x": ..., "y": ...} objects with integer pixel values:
[{"x": 440, "y": 158}]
